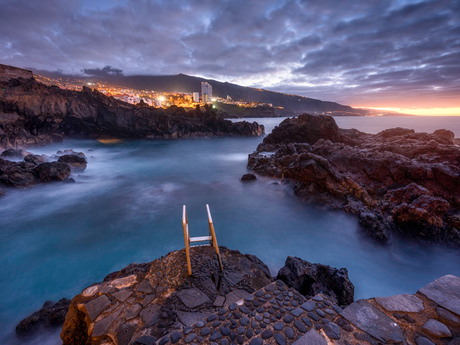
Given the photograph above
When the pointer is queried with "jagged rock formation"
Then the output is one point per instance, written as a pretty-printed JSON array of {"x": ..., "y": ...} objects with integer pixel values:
[
  {"x": 30, "y": 169},
  {"x": 157, "y": 298},
  {"x": 52, "y": 315},
  {"x": 394, "y": 180},
  {"x": 35, "y": 114},
  {"x": 312, "y": 279}
]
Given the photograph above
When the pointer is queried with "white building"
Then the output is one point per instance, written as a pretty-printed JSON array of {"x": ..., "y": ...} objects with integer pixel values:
[
  {"x": 206, "y": 92},
  {"x": 196, "y": 97}
]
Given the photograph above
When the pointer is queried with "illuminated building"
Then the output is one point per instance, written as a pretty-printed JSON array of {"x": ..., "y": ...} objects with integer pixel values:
[
  {"x": 206, "y": 92},
  {"x": 196, "y": 97}
]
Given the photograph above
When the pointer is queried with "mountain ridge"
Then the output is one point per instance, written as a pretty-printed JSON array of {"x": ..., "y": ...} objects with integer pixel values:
[{"x": 291, "y": 104}]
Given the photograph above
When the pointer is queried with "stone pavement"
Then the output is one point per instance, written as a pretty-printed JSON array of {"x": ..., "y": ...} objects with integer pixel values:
[{"x": 280, "y": 315}]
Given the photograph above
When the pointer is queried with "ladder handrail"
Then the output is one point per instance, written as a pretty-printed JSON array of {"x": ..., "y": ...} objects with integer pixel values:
[
  {"x": 187, "y": 239},
  {"x": 214, "y": 238}
]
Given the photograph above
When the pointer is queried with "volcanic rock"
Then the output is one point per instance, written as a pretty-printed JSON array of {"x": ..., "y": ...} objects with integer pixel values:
[
  {"x": 16, "y": 174},
  {"x": 15, "y": 153},
  {"x": 395, "y": 181},
  {"x": 248, "y": 177},
  {"x": 159, "y": 297},
  {"x": 54, "y": 171},
  {"x": 35, "y": 114},
  {"x": 76, "y": 162},
  {"x": 312, "y": 279},
  {"x": 51, "y": 315}
]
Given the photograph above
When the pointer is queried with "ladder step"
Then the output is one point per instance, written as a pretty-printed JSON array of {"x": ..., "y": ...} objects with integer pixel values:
[{"x": 200, "y": 239}]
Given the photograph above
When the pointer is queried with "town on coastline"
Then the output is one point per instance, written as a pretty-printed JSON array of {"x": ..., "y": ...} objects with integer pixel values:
[{"x": 152, "y": 98}]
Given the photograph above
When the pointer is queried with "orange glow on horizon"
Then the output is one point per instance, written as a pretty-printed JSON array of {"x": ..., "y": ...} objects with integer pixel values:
[{"x": 420, "y": 111}]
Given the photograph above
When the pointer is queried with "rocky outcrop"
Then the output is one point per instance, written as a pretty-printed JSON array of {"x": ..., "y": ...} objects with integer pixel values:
[
  {"x": 158, "y": 298},
  {"x": 312, "y": 279},
  {"x": 396, "y": 180},
  {"x": 28, "y": 169},
  {"x": 76, "y": 162},
  {"x": 52, "y": 315},
  {"x": 35, "y": 114},
  {"x": 126, "y": 310},
  {"x": 248, "y": 177}
]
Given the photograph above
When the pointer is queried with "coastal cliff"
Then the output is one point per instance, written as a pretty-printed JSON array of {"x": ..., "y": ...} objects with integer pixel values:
[
  {"x": 396, "y": 180},
  {"x": 35, "y": 114}
]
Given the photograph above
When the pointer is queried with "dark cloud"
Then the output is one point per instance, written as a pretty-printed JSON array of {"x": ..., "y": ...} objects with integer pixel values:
[
  {"x": 103, "y": 72},
  {"x": 346, "y": 51}
]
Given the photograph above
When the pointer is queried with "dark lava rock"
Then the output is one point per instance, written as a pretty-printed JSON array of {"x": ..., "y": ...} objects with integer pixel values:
[
  {"x": 51, "y": 315},
  {"x": 34, "y": 159},
  {"x": 16, "y": 174},
  {"x": 54, "y": 171},
  {"x": 75, "y": 162},
  {"x": 248, "y": 177},
  {"x": 311, "y": 279},
  {"x": 363, "y": 174},
  {"x": 304, "y": 129},
  {"x": 446, "y": 134},
  {"x": 15, "y": 153}
]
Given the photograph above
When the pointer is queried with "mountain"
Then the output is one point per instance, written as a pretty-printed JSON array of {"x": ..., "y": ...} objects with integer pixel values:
[{"x": 291, "y": 104}]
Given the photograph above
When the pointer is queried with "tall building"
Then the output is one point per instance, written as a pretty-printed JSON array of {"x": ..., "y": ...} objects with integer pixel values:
[
  {"x": 206, "y": 92},
  {"x": 196, "y": 97}
]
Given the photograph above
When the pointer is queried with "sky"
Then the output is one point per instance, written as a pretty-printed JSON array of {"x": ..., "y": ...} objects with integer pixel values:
[{"x": 395, "y": 54}]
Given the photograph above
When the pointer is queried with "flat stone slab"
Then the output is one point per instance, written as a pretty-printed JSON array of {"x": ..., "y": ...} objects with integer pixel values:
[
  {"x": 312, "y": 337},
  {"x": 235, "y": 296},
  {"x": 219, "y": 301},
  {"x": 145, "y": 286},
  {"x": 132, "y": 311},
  {"x": 101, "y": 326},
  {"x": 406, "y": 302},
  {"x": 209, "y": 285},
  {"x": 122, "y": 295},
  {"x": 189, "y": 318},
  {"x": 150, "y": 314},
  {"x": 436, "y": 329},
  {"x": 96, "y": 306},
  {"x": 192, "y": 297},
  {"x": 233, "y": 278},
  {"x": 372, "y": 321},
  {"x": 122, "y": 283},
  {"x": 445, "y": 291}
]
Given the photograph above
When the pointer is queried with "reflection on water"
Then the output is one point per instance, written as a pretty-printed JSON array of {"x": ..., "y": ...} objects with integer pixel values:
[{"x": 56, "y": 239}]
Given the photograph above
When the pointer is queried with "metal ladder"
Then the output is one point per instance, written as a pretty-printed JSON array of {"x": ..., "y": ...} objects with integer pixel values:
[{"x": 211, "y": 238}]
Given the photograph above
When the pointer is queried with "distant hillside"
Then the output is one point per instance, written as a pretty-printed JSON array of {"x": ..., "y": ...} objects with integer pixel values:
[{"x": 185, "y": 83}]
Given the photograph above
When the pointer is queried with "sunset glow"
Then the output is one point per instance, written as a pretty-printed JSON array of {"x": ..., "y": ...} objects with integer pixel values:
[{"x": 420, "y": 111}]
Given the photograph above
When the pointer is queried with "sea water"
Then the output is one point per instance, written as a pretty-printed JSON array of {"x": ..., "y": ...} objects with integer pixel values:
[{"x": 57, "y": 238}]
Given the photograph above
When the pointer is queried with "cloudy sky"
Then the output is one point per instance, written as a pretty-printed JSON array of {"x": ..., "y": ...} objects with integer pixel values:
[{"x": 373, "y": 53}]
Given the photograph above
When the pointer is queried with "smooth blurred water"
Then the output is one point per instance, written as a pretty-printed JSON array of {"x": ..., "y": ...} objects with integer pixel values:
[{"x": 56, "y": 239}]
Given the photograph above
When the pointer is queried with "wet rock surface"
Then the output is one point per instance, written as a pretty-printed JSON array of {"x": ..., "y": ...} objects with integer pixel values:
[
  {"x": 21, "y": 169},
  {"x": 52, "y": 315},
  {"x": 35, "y": 114},
  {"x": 312, "y": 279},
  {"x": 394, "y": 181}
]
